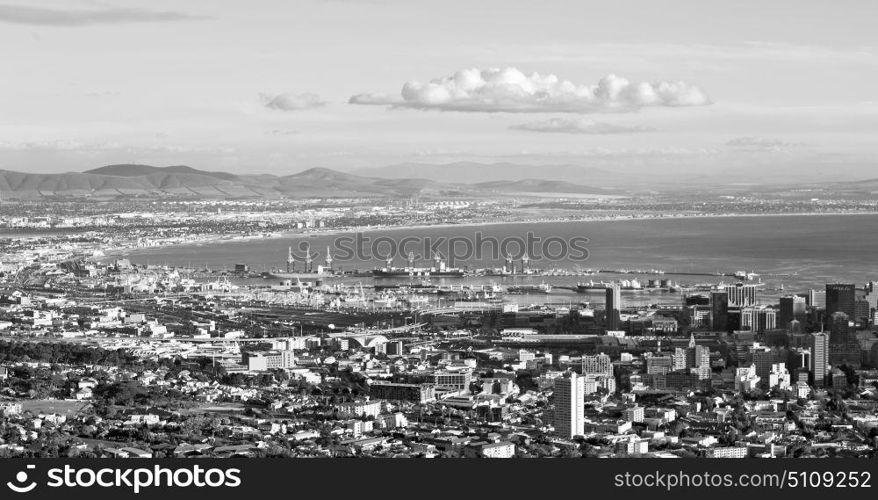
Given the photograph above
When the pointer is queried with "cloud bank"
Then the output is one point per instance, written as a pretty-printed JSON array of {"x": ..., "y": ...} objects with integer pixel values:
[
  {"x": 292, "y": 102},
  {"x": 38, "y": 16},
  {"x": 511, "y": 91},
  {"x": 577, "y": 125},
  {"x": 760, "y": 144}
]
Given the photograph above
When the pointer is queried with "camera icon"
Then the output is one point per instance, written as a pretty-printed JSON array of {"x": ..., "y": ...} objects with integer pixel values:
[{"x": 21, "y": 478}]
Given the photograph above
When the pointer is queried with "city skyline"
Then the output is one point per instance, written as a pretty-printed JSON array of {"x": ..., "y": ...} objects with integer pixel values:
[{"x": 401, "y": 229}]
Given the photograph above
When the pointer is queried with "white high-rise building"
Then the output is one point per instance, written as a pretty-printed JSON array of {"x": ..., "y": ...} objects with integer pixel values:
[
  {"x": 741, "y": 294},
  {"x": 819, "y": 357},
  {"x": 779, "y": 377},
  {"x": 570, "y": 406},
  {"x": 613, "y": 305},
  {"x": 599, "y": 364},
  {"x": 746, "y": 379}
]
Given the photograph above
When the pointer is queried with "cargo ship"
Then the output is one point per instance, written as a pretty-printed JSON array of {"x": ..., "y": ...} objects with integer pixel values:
[
  {"x": 627, "y": 285},
  {"x": 439, "y": 270},
  {"x": 309, "y": 272},
  {"x": 631, "y": 286},
  {"x": 509, "y": 268},
  {"x": 471, "y": 293},
  {"x": 529, "y": 289}
]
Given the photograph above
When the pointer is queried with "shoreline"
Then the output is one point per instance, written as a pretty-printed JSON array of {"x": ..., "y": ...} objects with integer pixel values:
[{"x": 370, "y": 229}]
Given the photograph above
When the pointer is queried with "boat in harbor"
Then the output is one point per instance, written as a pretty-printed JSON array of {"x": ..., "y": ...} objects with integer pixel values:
[
  {"x": 529, "y": 289},
  {"x": 309, "y": 271},
  {"x": 627, "y": 285},
  {"x": 439, "y": 270},
  {"x": 471, "y": 292}
]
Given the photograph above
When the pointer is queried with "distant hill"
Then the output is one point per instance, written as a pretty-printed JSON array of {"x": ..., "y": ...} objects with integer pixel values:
[
  {"x": 126, "y": 180},
  {"x": 149, "y": 181},
  {"x": 137, "y": 180},
  {"x": 135, "y": 170},
  {"x": 332, "y": 183}
]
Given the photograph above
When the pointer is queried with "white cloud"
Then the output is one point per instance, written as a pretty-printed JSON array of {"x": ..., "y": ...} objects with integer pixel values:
[
  {"x": 756, "y": 143},
  {"x": 578, "y": 125},
  {"x": 510, "y": 90},
  {"x": 292, "y": 102}
]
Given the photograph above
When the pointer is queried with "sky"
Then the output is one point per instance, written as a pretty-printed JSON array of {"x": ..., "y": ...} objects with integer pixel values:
[{"x": 674, "y": 87}]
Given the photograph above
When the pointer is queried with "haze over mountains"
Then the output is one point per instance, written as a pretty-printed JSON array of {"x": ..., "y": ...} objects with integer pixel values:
[
  {"x": 473, "y": 172},
  {"x": 145, "y": 180},
  {"x": 457, "y": 179}
]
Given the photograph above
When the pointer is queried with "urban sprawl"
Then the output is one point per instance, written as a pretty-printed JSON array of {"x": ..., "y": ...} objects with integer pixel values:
[{"x": 100, "y": 357}]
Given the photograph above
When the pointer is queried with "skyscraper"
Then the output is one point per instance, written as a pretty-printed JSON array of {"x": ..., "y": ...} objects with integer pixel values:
[
  {"x": 819, "y": 357},
  {"x": 719, "y": 311},
  {"x": 613, "y": 304},
  {"x": 698, "y": 359},
  {"x": 763, "y": 358},
  {"x": 570, "y": 406},
  {"x": 840, "y": 297},
  {"x": 679, "y": 356},
  {"x": 741, "y": 294},
  {"x": 810, "y": 297},
  {"x": 758, "y": 319},
  {"x": 863, "y": 309},
  {"x": 844, "y": 349},
  {"x": 791, "y": 307}
]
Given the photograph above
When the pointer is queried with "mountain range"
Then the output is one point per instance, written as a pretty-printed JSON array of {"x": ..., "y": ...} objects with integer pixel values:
[
  {"x": 411, "y": 180},
  {"x": 114, "y": 181}
]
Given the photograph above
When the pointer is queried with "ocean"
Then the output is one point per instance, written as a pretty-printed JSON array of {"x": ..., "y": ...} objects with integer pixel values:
[{"x": 788, "y": 253}]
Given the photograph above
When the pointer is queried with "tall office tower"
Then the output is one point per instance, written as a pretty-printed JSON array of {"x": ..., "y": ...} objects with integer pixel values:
[
  {"x": 763, "y": 359},
  {"x": 810, "y": 297},
  {"x": 844, "y": 349},
  {"x": 741, "y": 294},
  {"x": 819, "y": 358},
  {"x": 698, "y": 359},
  {"x": 734, "y": 319},
  {"x": 840, "y": 297},
  {"x": 862, "y": 311},
  {"x": 768, "y": 319},
  {"x": 613, "y": 304},
  {"x": 679, "y": 356},
  {"x": 750, "y": 319},
  {"x": 758, "y": 319},
  {"x": 697, "y": 355},
  {"x": 792, "y": 307},
  {"x": 719, "y": 311},
  {"x": 599, "y": 364},
  {"x": 570, "y": 406}
]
